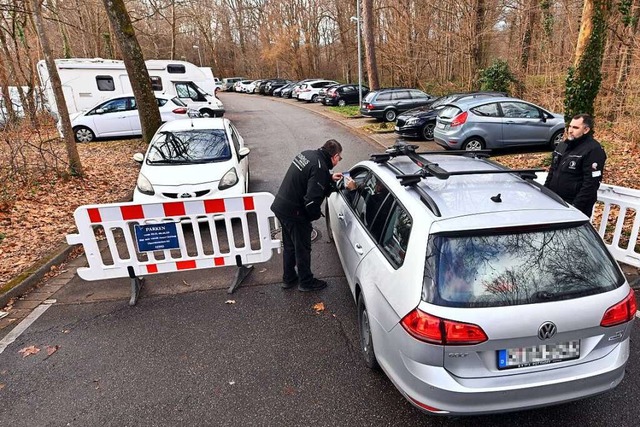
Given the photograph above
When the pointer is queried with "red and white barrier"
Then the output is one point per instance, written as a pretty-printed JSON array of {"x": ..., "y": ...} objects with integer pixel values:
[{"x": 229, "y": 231}]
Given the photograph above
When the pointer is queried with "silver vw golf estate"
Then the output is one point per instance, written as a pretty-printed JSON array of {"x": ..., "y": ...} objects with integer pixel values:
[{"x": 477, "y": 289}]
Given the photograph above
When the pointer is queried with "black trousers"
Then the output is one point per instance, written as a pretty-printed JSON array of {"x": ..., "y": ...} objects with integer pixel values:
[{"x": 296, "y": 238}]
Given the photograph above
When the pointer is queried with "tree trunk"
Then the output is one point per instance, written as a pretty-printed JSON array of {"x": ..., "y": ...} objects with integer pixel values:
[
  {"x": 584, "y": 78},
  {"x": 530, "y": 17},
  {"x": 136, "y": 69},
  {"x": 75, "y": 166},
  {"x": 369, "y": 44}
]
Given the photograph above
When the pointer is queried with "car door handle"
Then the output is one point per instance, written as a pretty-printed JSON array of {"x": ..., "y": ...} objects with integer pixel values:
[
  {"x": 341, "y": 217},
  {"x": 509, "y": 122},
  {"x": 358, "y": 248}
]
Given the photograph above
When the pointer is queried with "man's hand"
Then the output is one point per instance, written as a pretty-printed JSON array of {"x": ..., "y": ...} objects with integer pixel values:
[
  {"x": 336, "y": 176},
  {"x": 350, "y": 184}
]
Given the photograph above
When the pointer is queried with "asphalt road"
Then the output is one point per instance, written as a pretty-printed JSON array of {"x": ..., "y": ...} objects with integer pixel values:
[{"x": 184, "y": 355}]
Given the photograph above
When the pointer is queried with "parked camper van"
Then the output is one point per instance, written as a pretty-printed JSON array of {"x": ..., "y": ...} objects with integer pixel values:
[{"x": 85, "y": 82}]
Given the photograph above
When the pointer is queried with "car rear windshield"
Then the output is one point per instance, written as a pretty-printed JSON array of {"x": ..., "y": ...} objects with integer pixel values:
[
  {"x": 193, "y": 146},
  {"x": 515, "y": 267},
  {"x": 449, "y": 112}
]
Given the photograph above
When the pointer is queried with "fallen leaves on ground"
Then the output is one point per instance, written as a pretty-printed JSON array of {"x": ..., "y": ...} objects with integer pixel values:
[
  {"x": 318, "y": 307},
  {"x": 42, "y": 214},
  {"x": 28, "y": 351},
  {"x": 52, "y": 349}
]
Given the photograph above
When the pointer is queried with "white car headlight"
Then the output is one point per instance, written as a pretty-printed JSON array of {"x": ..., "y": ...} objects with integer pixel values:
[
  {"x": 412, "y": 121},
  {"x": 144, "y": 185},
  {"x": 228, "y": 180}
]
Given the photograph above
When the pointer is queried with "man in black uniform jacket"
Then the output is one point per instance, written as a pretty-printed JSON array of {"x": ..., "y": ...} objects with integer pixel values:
[
  {"x": 577, "y": 166},
  {"x": 305, "y": 186}
]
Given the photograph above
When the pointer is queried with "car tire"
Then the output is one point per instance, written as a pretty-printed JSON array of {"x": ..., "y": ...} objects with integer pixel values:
[
  {"x": 556, "y": 139},
  {"x": 327, "y": 220},
  {"x": 390, "y": 115},
  {"x": 474, "y": 144},
  {"x": 427, "y": 131},
  {"x": 342, "y": 102},
  {"x": 314, "y": 98},
  {"x": 366, "y": 339},
  {"x": 83, "y": 134}
]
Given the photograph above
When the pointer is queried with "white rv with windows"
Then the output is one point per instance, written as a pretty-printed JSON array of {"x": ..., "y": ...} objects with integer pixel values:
[{"x": 86, "y": 82}]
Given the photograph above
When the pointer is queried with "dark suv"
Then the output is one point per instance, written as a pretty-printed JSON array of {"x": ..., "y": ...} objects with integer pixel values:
[
  {"x": 386, "y": 104},
  {"x": 344, "y": 95},
  {"x": 420, "y": 122}
]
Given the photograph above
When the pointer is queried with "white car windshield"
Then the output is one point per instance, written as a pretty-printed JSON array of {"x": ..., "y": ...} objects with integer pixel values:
[{"x": 192, "y": 146}]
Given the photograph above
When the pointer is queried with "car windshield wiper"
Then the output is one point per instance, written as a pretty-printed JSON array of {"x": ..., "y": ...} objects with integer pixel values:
[
  {"x": 169, "y": 161},
  {"x": 556, "y": 296}
]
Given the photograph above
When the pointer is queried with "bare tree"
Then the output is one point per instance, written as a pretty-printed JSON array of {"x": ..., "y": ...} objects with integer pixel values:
[
  {"x": 134, "y": 62},
  {"x": 75, "y": 166},
  {"x": 369, "y": 44}
]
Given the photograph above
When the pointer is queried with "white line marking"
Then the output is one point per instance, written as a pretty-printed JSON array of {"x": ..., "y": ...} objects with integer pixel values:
[{"x": 22, "y": 326}]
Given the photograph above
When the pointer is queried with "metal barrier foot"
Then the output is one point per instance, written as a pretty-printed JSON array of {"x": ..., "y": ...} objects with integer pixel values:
[
  {"x": 243, "y": 271},
  {"x": 136, "y": 286}
]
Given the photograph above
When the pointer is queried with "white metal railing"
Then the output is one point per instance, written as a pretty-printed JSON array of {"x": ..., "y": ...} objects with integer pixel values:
[{"x": 620, "y": 208}]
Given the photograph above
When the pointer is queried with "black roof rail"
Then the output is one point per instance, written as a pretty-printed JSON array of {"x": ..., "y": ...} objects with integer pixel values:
[{"x": 431, "y": 169}]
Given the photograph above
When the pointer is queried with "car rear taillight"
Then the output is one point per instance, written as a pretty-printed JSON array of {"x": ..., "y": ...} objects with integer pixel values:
[
  {"x": 460, "y": 119},
  {"x": 370, "y": 106},
  {"x": 432, "y": 329},
  {"x": 180, "y": 110},
  {"x": 621, "y": 312}
]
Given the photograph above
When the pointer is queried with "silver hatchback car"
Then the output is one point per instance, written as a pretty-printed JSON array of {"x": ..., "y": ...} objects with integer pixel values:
[
  {"x": 488, "y": 123},
  {"x": 477, "y": 289}
]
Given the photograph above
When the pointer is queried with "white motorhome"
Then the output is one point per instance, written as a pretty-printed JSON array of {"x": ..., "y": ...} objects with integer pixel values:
[{"x": 86, "y": 82}]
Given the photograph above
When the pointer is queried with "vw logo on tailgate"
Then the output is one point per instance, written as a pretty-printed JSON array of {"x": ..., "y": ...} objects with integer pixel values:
[{"x": 547, "y": 330}]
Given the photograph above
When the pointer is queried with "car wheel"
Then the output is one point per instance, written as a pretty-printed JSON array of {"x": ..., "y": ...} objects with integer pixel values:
[
  {"x": 83, "y": 134},
  {"x": 327, "y": 220},
  {"x": 314, "y": 98},
  {"x": 427, "y": 131},
  {"x": 473, "y": 144},
  {"x": 366, "y": 340},
  {"x": 341, "y": 102},
  {"x": 390, "y": 115},
  {"x": 556, "y": 139}
]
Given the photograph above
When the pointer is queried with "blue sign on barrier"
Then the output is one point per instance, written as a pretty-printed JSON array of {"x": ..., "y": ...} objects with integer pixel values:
[{"x": 156, "y": 237}]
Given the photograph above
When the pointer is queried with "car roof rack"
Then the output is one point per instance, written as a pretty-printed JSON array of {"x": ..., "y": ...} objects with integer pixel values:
[{"x": 432, "y": 169}]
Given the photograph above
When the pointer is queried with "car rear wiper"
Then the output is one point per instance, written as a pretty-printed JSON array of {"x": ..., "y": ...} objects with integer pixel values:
[{"x": 556, "y": 296}]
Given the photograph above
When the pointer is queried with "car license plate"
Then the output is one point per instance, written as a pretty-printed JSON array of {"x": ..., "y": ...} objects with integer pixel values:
[
  {"x": 440, "y": 125},
  {"x": 538, "y": 355}
]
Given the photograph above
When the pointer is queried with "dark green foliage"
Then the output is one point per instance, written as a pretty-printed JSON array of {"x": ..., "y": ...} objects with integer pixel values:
[
  {"x": 624, "y": 7},
  {"x": 497, "y": 77},
  {"x": 583, "y": 81},
  {"x": 547, "y": 17}
]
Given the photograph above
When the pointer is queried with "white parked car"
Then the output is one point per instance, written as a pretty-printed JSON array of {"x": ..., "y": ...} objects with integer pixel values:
[
  {"x": 309, "y": 91},
  {"x": 243, "y": 86},
  {"x": 118, "y": 116},
  {"x": 196, "y": 158}
]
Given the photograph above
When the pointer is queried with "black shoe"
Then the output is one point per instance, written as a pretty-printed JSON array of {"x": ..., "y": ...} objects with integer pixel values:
[
  {"x": 289, "y": 283},
  {"x": 314, "y": 285}
]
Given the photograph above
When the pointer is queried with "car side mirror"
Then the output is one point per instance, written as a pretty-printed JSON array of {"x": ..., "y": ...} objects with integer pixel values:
[
  {"x": 138, "y": 157},
  {"x": 243, "y": 152}
]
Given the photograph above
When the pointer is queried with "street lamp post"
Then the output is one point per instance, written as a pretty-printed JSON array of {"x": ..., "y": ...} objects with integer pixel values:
[
  {"x": 358, "y": 23},
  {"x": 196, "y": 47}
]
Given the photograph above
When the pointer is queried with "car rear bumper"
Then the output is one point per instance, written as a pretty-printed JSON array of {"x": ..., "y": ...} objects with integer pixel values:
[
  {"x": 430, "y": 387},
  {"x": 372, "y": 113}
]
